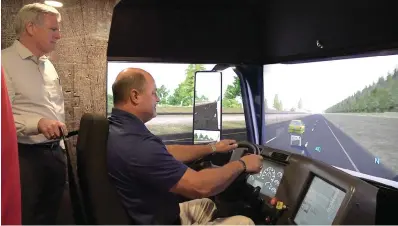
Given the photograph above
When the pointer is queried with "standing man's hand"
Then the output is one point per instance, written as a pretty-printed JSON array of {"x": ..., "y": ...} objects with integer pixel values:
[
  {"x": 51, "y": 128},
  {"x": 226, "y": 145}
]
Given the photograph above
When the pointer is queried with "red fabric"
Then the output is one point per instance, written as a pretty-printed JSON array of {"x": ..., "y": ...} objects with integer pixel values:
[{"x": 10, "y": 179}]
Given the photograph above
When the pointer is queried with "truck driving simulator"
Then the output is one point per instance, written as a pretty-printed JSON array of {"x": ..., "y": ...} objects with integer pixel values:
[{"x": 332, "y": 175}]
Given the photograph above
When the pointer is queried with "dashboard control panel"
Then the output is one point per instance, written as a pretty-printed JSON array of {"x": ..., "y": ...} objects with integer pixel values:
[
  {"x": 268, "y": 179},
  {"x": 293, "y": 189}
]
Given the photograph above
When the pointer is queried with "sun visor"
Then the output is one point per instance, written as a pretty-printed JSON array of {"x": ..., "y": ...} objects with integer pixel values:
[
  {"x": 250, "y": 32},
  {"x": 185, "y": 32}
]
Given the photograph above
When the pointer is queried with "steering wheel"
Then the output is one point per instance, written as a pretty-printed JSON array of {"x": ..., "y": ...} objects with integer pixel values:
[{"x": 249, "y": 149}]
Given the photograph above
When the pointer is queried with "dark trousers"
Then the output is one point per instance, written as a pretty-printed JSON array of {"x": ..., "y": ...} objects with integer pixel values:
[{"x": 43, "y": 176}]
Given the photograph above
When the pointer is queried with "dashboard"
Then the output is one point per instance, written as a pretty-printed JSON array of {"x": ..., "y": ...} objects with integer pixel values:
[
  {"x": 320, "y": 204},
  {"x": 293, "y": 189},
  {"x": 268, "y": 179}
]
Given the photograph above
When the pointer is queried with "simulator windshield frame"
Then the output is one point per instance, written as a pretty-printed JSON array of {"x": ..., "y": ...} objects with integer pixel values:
[{"x": 341, "y": 112}]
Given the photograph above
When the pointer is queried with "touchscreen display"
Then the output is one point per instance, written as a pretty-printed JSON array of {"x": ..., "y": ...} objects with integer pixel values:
[
  {"x": 268, "y": 179},
  {"x": 320, "y": 204}
]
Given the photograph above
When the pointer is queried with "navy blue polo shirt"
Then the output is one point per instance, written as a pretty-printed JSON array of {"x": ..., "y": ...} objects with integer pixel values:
[{"x": 142, "y": 170}]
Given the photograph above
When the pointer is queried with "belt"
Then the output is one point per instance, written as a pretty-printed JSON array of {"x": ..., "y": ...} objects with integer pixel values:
[
  {"x": 52, "y": 144},
  {"x": 49, "y": 145}
]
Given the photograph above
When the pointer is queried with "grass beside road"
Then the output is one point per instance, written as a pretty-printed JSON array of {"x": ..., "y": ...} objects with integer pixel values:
[
  {"x": 159, "y": 129},
  {"x": 376, "y": 133},
  {"x": 383, "y": 115},
  {"x": 234, "y": 125}
]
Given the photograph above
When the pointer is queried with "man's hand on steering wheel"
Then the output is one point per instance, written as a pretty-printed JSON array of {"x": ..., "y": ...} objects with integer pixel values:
[
  {"x": 254, "y": 163},
  {"x": 225, "y": 146}
]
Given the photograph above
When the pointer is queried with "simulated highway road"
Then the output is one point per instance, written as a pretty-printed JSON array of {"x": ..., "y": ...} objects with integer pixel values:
[
  {"x": 322, "y": 141},
  {"x": 325, "y": 142}
]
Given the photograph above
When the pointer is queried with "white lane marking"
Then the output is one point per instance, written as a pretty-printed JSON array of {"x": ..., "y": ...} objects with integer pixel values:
[
  {"x": 345, "y": 152},
  {"x": 313, "y": 129},
  {"x": 306, "y": 144},
  {"x": 270, "y": 140}
]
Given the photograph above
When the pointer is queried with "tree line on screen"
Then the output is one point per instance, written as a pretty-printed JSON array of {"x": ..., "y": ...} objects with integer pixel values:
[
  {"x": 183, "y": 95},
  {"x": 279, "y": 106},
  {"x": 377, "y": 97}
]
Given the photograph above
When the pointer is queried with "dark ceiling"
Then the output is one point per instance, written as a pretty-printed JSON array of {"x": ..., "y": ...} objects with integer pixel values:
[{"x": 251, "y": 32}]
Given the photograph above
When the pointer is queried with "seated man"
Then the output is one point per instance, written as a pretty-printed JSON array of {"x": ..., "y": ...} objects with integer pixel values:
[{"x": 149, "y": 176}]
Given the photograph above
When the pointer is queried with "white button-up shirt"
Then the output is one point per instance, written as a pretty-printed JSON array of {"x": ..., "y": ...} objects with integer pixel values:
[{"x": 34, "y": 89}]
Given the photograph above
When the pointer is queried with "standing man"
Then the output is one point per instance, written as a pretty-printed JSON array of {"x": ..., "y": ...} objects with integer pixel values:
[{"x": 38, "y": 109}]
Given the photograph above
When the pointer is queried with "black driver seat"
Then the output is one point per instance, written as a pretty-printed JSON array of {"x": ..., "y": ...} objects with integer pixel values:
[{"x": 101, "y": 201}]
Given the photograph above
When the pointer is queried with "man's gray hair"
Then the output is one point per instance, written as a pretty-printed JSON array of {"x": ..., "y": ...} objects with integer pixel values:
[{"x": 33, "y": 13}]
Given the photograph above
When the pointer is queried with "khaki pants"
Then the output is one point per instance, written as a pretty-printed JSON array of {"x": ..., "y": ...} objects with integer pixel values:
[{"x": 200, "y": 211}]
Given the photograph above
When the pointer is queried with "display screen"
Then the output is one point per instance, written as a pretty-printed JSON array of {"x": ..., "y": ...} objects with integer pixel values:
[
  {"x": 184, "y": 116},
  {"x": 320, "y": 204},
  {"x": 341, "y": 112},
  {"x": 268, "y": 179}
]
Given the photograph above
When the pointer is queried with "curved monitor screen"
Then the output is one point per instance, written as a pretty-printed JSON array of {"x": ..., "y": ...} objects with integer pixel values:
[
  {"x": 342, "y": 112},
  {"x": 268, "y": 179},
  {"x": 320, "y": 204}
]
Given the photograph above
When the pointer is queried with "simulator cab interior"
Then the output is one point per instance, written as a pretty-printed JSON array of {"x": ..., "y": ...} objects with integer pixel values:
[{"x": 292, "y": 188}]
